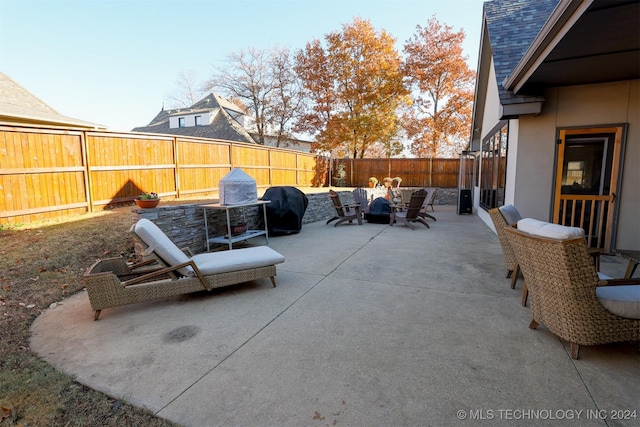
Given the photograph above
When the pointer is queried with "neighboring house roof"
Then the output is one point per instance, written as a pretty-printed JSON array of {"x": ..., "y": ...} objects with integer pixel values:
[
  {"x": 285, "y": 142},
  {"x": 223, "y": 125},
  {"x": 18, "y": 105}
]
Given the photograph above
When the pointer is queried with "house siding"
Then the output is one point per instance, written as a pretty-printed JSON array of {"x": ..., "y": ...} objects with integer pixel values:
[{"x": 491, "y": 104}]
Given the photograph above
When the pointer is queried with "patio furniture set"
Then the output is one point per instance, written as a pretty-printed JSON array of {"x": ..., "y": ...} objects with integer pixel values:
[
  {"x": 165, "y": 270},
  {"x": 567, "y": 294},
  {"x": 415, "y": 210}
]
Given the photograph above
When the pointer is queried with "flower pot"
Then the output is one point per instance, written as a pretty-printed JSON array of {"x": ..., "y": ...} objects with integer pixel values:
[
  {"x": 147, "y": 203},
  {"x": 238, "y": 229}
]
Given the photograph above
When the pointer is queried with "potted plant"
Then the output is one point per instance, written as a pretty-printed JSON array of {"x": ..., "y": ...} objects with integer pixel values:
[
  {"x": 373, "y": 181},
  {"x": 147, "y": 200}
]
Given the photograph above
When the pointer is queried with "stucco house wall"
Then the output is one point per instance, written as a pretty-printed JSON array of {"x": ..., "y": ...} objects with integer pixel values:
[{"x": 587, "y": 105}]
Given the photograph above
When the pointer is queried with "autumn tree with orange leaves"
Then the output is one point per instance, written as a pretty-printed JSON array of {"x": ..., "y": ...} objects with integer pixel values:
[
  {"x": 355, "y": 88},
  {"x": 439, "y": 120}
]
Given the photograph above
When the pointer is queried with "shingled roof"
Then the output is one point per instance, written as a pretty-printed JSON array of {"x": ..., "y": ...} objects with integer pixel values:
[
  {"x": 18, "y": 105},
  {"x": 223, "y": 125},
  {"x": 512, "y": 25}
]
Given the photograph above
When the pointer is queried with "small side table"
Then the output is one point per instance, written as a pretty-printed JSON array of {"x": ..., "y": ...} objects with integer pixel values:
[
  {"x": 229, "y": 239},
  {"x": 634, "y": 260}
]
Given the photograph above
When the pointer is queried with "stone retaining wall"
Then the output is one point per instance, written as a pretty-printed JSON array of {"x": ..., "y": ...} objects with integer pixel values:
[{"x": 184, "y": 224}]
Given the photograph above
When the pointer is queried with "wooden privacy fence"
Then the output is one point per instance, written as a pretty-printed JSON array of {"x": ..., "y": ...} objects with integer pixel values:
[
  {"x": 441, "y": 173},
  {"x": 53, "y": 172}
]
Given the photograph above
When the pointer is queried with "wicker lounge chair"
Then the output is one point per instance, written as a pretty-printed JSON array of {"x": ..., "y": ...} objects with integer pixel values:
[
  {"x": 344, "y": 212},
  {"x": 112, "y": 282},
  {"x": 410, "y": 213},
  {"x": 566, "y": 295}
]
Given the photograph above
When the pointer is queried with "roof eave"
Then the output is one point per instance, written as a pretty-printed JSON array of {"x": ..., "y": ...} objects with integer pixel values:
[
  {"x": 511, "y": 111},
  {"x": 563, "y": 17},
  {"x": 480, "y": 91}
]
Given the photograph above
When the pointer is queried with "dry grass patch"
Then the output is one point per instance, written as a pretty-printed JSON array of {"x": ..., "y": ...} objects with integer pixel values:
[{"x": 41, "y": 264}]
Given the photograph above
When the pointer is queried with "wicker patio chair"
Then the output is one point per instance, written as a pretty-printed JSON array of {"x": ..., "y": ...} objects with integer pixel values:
[
  {"x": 409, "y": 214},
  {"x": 500, "y": 222},
  {"x": 344, "y": 212},
  {"x": 112, "y": 282},
  {"x": 508, "y": 216},
  {"x": 566, "y": 295}
]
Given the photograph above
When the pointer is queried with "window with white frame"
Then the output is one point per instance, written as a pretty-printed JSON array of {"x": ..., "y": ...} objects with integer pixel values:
[
  {"x": 198, "y": 120},
  {"x": 181, "y": 122}
]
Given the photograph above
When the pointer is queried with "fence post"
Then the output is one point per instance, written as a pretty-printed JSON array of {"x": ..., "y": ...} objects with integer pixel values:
[
  {"x": 87, "y": 170},
  {"x": 430, "y": 171},
  {"x": 351, "y": 177},
  {"x": 176, "y": 172}
]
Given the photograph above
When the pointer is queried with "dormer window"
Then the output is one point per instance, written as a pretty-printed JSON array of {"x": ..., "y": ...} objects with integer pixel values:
[
  {"x": 181, "y": 122},
  {"x": 198, "y": 120}
]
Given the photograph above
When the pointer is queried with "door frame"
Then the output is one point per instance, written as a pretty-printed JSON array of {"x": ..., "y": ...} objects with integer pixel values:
[{"x": 611, "y": 224}]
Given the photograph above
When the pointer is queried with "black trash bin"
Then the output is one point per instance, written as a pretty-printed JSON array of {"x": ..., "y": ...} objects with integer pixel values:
[{"x": 285, "y": 212}]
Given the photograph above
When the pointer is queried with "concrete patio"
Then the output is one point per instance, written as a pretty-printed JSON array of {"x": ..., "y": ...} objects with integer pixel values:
[{"x": 369, "y": 326}]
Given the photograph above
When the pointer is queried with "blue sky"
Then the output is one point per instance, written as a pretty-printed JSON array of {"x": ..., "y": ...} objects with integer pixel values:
[{"x": 115, "y": 62}]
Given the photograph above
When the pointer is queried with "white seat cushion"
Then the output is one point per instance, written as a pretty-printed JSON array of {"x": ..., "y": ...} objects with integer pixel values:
[
  {"x": 623, "y": 300},
  {"x": 236, "y": 259},
  {"x": 547, "y": 229}
]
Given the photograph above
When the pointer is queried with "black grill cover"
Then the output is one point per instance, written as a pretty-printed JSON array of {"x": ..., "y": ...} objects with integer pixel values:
[
  {"x": 285, "y": 212},
  {"x": 379, "y": 211}
]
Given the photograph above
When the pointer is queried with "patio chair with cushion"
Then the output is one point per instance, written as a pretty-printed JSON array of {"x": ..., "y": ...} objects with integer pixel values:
[
  {"x": 566, "y": 293},
  {"x": 112, "y": 282},
  {"x": 506, "y": 216},
  {"x": 344, "y": 212},
  {"x": 544, "y": 228},
  {"x": 409, "y": 214}
]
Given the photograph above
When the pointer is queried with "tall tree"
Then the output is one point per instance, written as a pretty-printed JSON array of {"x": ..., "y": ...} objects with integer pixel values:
[
  {"x": 354, "y": 87},
  {"x": 287, "y": 94},
  {"x": 246, "y": 78},
  {"x": 439, "y": 120},
  {"x": 265, "y": 83},
  {"x": 188, "y": 91}
]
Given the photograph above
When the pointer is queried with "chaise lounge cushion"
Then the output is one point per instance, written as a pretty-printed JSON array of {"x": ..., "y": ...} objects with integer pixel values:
[
  {"x": 623, "y": 300},
  {"x": 236, "y": 259},
  {"x": 159, "y": 243},
  {"x": 210, "y": 262},
  {"x": 547, "y": 229}
]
